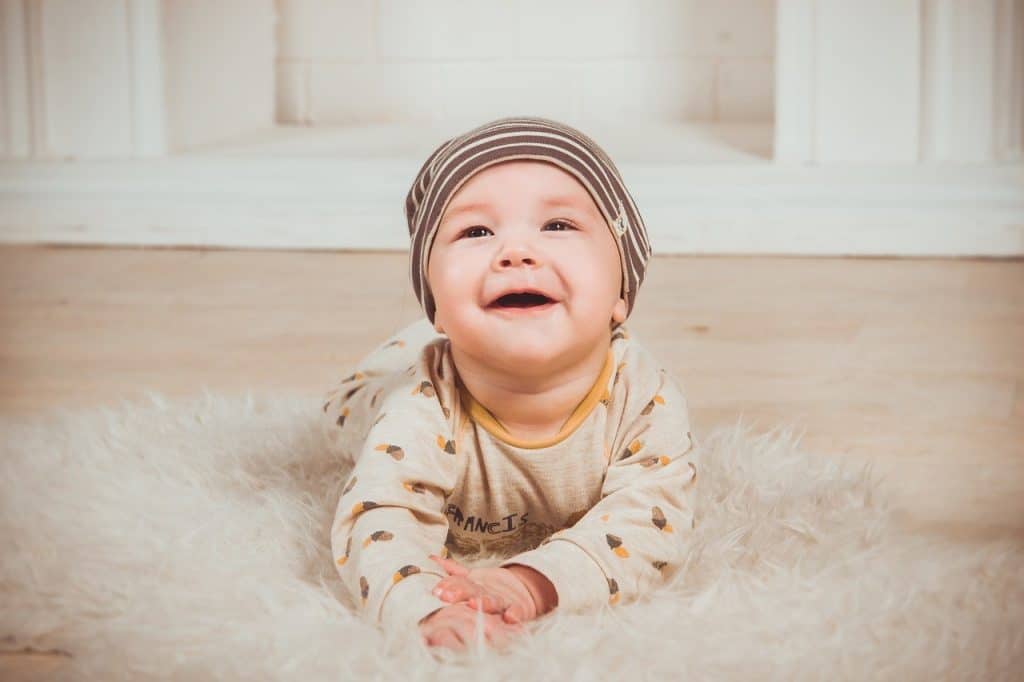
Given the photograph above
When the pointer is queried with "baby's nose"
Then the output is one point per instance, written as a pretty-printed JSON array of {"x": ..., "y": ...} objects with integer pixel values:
[
  {"x": 516, "y": 256},
  {"x": 517, "y": 259}
]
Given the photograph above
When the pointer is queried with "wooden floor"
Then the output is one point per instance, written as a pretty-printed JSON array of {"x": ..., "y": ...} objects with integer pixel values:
[{"x": 916, "y": 366}]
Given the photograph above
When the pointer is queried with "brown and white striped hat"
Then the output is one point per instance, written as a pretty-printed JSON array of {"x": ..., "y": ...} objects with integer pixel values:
[{"x": 449, "y": 166}]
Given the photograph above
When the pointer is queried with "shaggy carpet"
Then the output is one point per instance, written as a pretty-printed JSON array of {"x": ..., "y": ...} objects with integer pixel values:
[{"x": 189, "y": 540}]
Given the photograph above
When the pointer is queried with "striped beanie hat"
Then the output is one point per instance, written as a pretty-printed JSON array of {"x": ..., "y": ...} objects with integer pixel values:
[{"x": 526, "y": 138}]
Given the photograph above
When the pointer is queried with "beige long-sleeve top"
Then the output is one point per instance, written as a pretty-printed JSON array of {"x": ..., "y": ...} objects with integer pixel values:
[{"x": 602, "y": 509}]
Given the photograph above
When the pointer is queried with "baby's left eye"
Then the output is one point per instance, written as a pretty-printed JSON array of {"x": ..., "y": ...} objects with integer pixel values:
[{"x": 559, "y": 226}]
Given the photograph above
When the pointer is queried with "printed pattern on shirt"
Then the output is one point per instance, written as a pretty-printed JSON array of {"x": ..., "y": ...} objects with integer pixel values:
[
  {"x": 632, "y": 543},
  {"x": 388, "y": 520},
  {"x": 407, "y": 497}
]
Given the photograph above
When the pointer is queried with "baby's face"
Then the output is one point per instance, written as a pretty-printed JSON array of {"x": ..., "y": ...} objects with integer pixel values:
[{"x": 524, "y": 269}]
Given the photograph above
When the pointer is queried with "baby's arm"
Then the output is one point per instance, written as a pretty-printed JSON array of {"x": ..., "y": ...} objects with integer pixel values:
[
  {"x": 390, "y": 519},
  {"x": 641, "y": 526}
]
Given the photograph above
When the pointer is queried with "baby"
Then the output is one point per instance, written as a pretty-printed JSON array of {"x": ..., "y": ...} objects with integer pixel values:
[{"x": 521, "y": 421}]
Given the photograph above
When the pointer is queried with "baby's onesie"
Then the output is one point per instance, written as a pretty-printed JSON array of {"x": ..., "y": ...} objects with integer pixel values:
[{"x": 603, "y": 509}]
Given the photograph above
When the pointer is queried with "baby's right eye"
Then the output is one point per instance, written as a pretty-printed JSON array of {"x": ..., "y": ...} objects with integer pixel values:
[{"x": 475, "y": 232}]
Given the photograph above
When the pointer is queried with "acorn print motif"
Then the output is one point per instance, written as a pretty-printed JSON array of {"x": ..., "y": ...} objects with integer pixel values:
[
  {"x": 351, "y": 484},
  {"x": 405, "y": 572},
  {"x": 656, "y": 400},
  {"x": 364, "y": 588},
  {"x": 396, "y": 452},
  {"x": 633, "y": 448},
  {"x": 658, "y": 565},
  {"x": 363, "y": 506},
  {"x": 414, "y": 487},
  {"x": 348, "y": 549},
  {"x": 425, "y": 388},
  {"x": 613, "y": 592},
  {"x": 353, "y": 377},
  {"x": 659, "y": 520},
  {"x": 378, "y": 536},
  {"x": 663, "y": 461},
  {"x": 342, "y": 416},
  {"x": 446, "y": 445},
  {"x": 606, "y": 398},
  {"x": 615, "y": 542}
]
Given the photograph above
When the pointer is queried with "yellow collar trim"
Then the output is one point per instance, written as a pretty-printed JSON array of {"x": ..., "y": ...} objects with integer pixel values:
[{"x": 599, "y": 391}]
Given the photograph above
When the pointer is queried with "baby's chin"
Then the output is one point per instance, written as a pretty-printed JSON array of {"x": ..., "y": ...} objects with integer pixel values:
[{"x": 528, "y": 354}]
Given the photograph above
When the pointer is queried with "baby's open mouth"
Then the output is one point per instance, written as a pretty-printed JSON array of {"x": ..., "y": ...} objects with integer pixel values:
[{"x": 527, "y": 299}]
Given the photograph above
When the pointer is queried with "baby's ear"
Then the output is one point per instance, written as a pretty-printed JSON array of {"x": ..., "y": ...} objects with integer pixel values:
[{"x": 619, "y": 311}]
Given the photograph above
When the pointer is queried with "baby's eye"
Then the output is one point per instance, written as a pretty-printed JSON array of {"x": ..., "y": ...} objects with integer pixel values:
[
  {"x": 475, "y": 232},
  {"x": 559, "y": 226}
]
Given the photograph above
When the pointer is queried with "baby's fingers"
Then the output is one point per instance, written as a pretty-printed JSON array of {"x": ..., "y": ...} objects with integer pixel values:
[
  {"x": 488, "y": 602},
  {"x": 495, "y": 633},
  {"x": 445, "y": 637},
  {"x": 500, "y": 635},
  {"x": 515, "y": 614},
  {"x": 451, "y": 566},
  {"x": 455, "y": 589}
]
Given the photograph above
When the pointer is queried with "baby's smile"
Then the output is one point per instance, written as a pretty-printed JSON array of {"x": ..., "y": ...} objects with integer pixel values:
[
  {"x": 522, "y": 310},
  {"x": 526, "y": 299},
  {"x": 520, "y": 302}
]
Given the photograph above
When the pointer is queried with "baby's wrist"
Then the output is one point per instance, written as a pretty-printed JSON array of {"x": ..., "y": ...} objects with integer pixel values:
[{"x": 537, "y": 584}]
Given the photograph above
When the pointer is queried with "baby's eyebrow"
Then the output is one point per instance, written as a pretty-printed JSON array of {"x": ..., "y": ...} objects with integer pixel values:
[
  {"x": 567, "y": 202},
  {"x": 466, "y": 208},
  {"x": 483, "y": 207}
]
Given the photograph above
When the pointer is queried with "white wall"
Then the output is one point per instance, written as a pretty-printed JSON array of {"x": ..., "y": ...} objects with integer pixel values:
[
  {"x": 577, "y": 60},
  {"x": 900, "y": 82},
  {"x": 220, "y": 61},
  {"x": 131, "y": 78},
  {"x": 872, "y": 81}
]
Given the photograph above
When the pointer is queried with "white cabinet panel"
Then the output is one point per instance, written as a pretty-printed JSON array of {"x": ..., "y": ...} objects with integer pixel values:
[
  {"x": 219, "y": 69},
  {"x": 794, "y": 81},
  {"x": 86, "y": 76},
  {"x": 15, "y": 97},
  {"x": 958, "y": 80},
  {"x": 1008, "y": 126},
  {"x": 867, "y": 80}
]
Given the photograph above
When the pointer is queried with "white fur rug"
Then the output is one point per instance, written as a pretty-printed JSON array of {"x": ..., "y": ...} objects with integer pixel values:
[{"x": 189, "y": 540}]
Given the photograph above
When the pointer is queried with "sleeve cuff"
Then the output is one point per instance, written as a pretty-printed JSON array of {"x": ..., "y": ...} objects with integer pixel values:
[
  {"x": 409, "y": 601},
  {"x": 578, "y": 580}
]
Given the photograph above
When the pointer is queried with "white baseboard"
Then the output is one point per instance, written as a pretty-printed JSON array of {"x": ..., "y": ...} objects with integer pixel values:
[{"x": 274, "y": 200}]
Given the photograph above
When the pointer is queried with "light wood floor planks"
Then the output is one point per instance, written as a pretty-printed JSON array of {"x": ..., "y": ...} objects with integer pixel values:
[{"x": 916, "y": 366}]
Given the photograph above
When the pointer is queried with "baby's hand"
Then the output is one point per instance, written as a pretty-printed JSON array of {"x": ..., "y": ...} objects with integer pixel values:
[
  {"x": 455, "y": 626},
  {"x": 493, "y": 590}
]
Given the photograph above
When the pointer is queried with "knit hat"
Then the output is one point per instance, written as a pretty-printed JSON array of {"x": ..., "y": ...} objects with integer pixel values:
[{"x": 449, "y": 166}]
